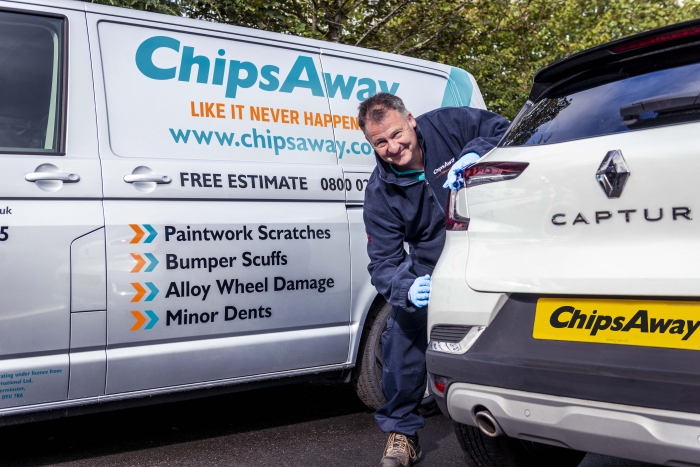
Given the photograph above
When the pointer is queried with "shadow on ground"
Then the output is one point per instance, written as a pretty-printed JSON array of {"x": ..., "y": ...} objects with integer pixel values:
[
  {"x": 309, "y": 424},
  {"x": 109, "y": 433}
]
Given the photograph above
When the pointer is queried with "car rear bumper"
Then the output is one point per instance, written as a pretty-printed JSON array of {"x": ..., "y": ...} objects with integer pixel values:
[
  {"x": 650, "y": 435},
  {"x": 507, "y": 356}
]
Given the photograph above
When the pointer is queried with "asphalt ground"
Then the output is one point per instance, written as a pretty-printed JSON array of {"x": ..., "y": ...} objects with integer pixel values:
[{"x": 309, "y": 424}]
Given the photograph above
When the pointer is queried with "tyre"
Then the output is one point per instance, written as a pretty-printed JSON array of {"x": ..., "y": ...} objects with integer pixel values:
[
  {"x": 483, "y": 451},
  {"x": 367, "y": 375}
]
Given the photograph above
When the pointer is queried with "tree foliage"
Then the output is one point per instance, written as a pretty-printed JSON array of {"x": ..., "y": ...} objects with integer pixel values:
[
  {"x": 501, "y": 42},
  {"x": 523, "y": 36},
  {"x": 168, "y": 7}
]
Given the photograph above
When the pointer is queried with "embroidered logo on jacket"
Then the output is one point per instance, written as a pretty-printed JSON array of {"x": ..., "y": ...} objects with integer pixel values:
[{"x": 444, "y": 168}]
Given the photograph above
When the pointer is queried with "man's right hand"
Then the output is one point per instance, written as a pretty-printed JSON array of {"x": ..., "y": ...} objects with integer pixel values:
[
  {"x": 454, "y": 176},
  {"x": 419, "y": 293}
]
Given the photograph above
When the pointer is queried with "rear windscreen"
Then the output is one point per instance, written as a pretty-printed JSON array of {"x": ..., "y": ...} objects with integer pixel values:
[{"x": 618, "y": 105}]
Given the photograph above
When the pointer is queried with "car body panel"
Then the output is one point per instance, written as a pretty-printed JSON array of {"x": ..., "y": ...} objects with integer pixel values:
[{"x": 515, "y": 247}]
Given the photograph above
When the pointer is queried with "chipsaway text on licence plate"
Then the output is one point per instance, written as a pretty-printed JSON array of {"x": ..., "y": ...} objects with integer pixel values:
[{"x": 649, "y": 323}]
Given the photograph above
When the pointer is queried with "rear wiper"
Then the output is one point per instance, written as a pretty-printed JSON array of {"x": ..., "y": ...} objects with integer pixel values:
[{"x": 661, "y": 105}]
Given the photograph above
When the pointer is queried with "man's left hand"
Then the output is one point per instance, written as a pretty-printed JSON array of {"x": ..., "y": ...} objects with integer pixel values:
[
  {"x": 419, "y": 293},
  {"x": 454, "y": 176}
]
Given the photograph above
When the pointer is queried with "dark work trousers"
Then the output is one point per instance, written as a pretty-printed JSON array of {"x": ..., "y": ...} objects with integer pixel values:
[{"x": 404, "y": 342}]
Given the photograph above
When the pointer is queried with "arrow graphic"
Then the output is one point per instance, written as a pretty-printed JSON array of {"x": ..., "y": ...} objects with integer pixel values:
[
  {"x": 139, "y": 233},
  {"x": 154, "y": 291},
  {"x": 153, "y": 260},
  {"x": 140, "y": 262},
  {"x": 140, "y": 291},
  {"x": 152, "y": 233},
  {"x": 141, "y": 319},
  {"x": 154, "y": 319}
]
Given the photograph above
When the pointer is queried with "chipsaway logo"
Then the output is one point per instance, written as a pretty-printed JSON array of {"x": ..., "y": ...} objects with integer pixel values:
[
  {"x": 178, "y": 63},
  {"x": 570, "y": 318},
  {"x": 443, "y": 168}
]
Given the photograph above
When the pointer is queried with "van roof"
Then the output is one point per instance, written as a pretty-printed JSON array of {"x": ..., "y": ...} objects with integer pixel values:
[
  {"x": 237, "y": 30},
  {"x": 619, "y": 50}
]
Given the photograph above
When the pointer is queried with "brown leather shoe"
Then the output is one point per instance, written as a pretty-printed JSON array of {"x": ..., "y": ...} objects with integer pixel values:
[{"x": 400, "y": 452}]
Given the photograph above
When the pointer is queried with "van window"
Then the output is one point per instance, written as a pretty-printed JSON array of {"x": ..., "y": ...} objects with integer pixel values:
[
  {"x": 30, "y": 83},
  {"x": 639, "y": 102}
]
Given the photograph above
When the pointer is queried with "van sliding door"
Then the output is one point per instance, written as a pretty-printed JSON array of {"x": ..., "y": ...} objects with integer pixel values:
[{"x": 227, "y": 255}]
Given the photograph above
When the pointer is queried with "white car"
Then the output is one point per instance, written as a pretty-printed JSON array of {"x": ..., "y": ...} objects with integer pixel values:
[{"x": 564, "y": 316}]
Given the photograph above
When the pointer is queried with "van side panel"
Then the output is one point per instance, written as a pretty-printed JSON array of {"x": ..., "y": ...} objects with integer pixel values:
[
  {"x": 217, "y": 282},
  {"x": 237, "y": 262}
]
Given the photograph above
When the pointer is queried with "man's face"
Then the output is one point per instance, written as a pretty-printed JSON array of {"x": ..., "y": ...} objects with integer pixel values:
[{"x": 395, "y": 140}]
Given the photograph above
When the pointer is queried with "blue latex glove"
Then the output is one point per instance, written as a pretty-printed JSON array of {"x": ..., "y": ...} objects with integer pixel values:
[
  {"x": 419, "y": 293},
  {"x": 454, "y": 176}
]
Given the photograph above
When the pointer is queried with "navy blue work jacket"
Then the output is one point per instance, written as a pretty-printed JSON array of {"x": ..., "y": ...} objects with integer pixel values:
[{"x": 399, "y": 209}]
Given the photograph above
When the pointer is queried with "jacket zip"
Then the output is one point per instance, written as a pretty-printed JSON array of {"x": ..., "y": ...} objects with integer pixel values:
[{"x": 430, "y": 194}]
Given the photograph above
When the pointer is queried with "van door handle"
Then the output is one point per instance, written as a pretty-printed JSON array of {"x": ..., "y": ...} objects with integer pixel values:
[
  {"x": 153, "y": 178},
  {"x": 54, "y": 176}
]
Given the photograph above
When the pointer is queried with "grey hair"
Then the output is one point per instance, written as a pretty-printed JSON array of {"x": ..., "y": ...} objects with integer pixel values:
[{"x": 375, "y": 108}]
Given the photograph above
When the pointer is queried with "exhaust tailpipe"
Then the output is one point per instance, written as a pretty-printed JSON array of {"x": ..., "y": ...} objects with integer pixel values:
[{"x": 488, "y": 424}]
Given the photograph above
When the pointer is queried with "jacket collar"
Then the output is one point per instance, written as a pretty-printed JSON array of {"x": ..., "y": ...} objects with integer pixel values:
[{"x": 388, "y": 176}]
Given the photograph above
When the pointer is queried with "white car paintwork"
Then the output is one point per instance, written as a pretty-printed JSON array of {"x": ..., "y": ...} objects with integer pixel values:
[{"x": 515, "y": 247}]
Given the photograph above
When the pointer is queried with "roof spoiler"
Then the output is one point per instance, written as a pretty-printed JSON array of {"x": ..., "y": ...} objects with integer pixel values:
[{"x": 642, "y": 43}]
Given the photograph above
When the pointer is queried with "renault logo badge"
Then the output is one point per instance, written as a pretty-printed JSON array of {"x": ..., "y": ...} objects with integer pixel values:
[{"x": 613, "y": 174}]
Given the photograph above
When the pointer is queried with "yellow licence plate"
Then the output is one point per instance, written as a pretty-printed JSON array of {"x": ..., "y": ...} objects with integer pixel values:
[{"x": 649, "y": 323}]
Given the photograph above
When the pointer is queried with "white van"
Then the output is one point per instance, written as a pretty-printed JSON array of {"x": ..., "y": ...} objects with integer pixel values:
[{"x": 182, "y": 204}]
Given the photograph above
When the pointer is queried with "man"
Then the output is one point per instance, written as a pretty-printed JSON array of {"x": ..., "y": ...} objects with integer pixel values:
[{"x": 418, "y": 161}]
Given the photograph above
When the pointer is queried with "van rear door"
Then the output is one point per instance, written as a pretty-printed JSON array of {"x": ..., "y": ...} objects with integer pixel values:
[
  {"x": 228, "y": 256},
  {"x": 50, "y": 210}
]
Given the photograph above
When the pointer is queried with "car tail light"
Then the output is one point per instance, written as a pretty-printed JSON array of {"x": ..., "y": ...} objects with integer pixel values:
[
  {"x": 489, "y": 172},
  {"x": 454, "y": 221},
  {"x": 439, "y": 384},
  {"x": 647, "y": 41},
  {"x": 480, "y": 174}
]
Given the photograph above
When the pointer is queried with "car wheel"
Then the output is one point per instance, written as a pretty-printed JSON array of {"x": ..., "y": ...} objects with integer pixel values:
[
  {"x": 503, "y": 451},
  {"x": 367, "y": 375}
]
